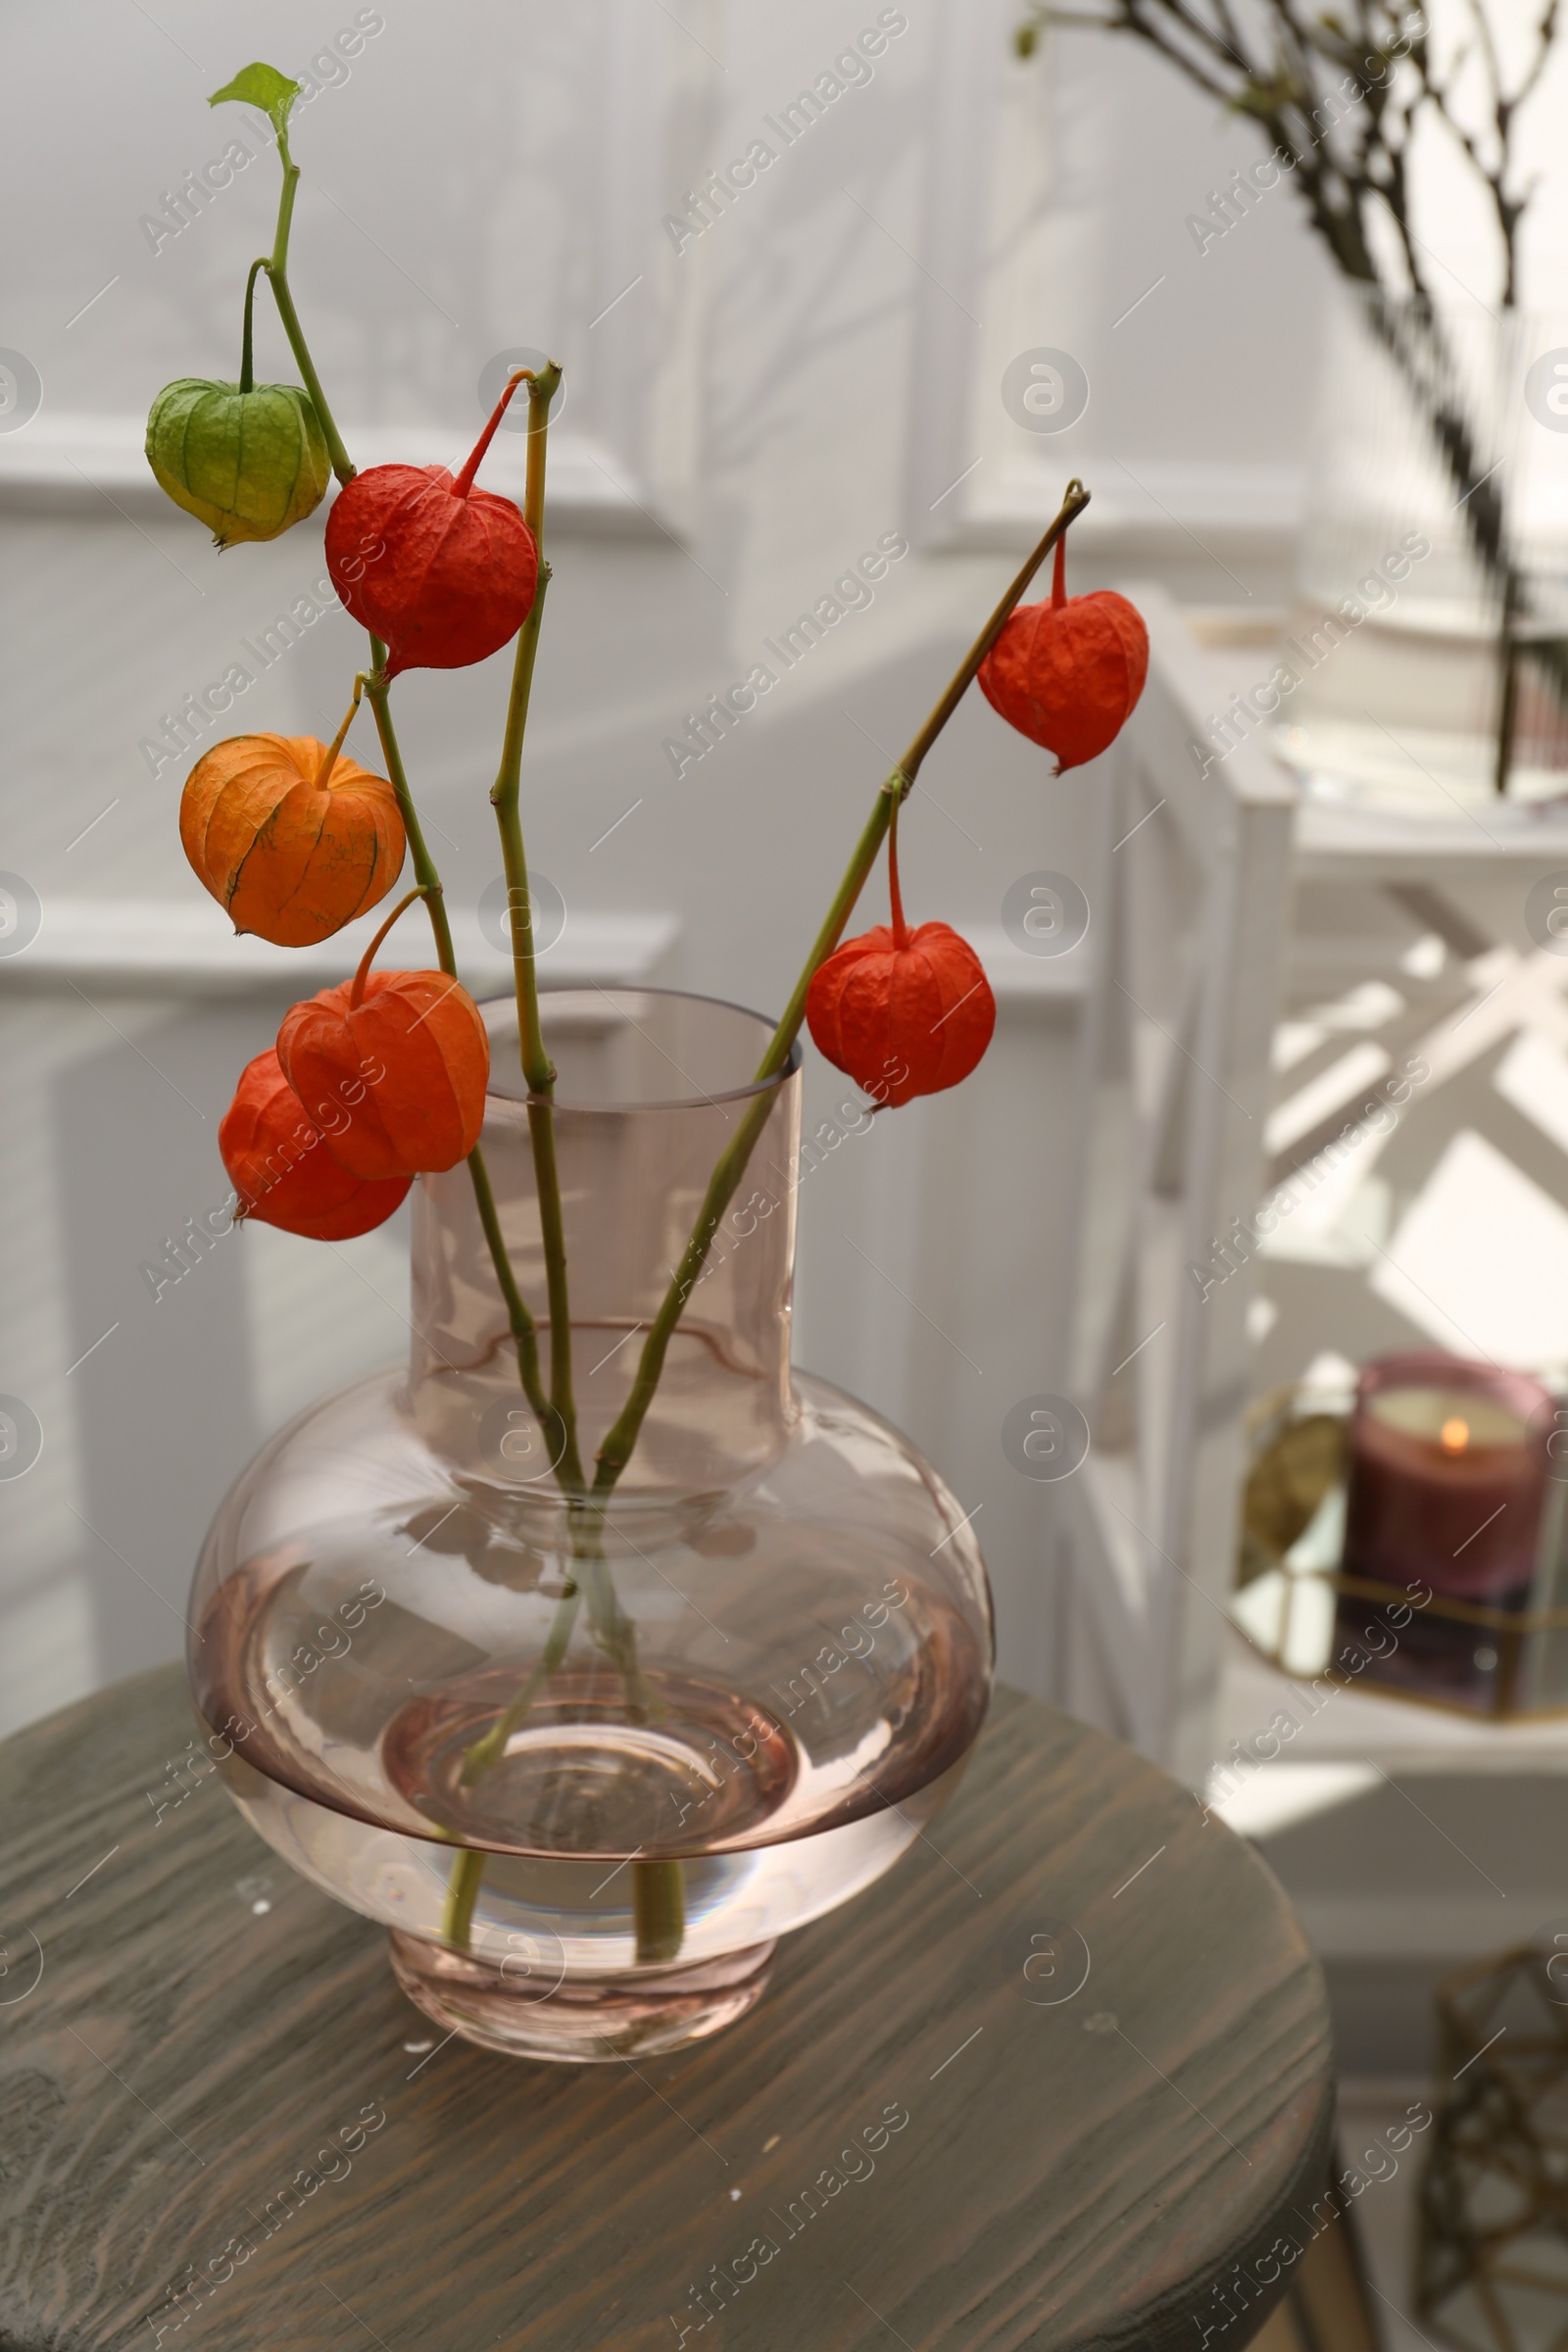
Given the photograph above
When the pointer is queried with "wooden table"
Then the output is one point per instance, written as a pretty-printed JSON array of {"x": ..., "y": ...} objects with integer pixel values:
[{"x": 929, "y": 2133}]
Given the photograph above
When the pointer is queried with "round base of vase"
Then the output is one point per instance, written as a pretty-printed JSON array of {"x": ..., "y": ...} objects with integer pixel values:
[{"x": 581, "y": 2020}]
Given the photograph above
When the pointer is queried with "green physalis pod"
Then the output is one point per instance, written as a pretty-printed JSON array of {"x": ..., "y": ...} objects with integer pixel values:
[{"x": 246, "y": 464}]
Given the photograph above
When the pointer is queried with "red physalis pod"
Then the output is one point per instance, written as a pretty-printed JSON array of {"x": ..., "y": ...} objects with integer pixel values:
[
  {"x": 283, "y": 1174},
  {"x": 1068, "y": 675},
  {"x": 444, "y": 572},
  {"x": 903, "y": 1012},
  {"x": 392, "y": 1067}
]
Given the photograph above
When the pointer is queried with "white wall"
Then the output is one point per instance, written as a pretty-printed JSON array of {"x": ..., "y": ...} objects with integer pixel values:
[{"x": 808, "y": 376}]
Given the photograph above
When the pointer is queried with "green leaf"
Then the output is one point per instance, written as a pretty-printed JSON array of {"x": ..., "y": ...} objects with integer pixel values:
[{"x": 264, "y": 86}]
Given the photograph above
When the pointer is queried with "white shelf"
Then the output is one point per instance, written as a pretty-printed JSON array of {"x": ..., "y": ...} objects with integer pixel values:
[
  {"x": 1334, "y": 843},
  {"x": 1354, "y": 1727},
  {"x": 186, "y": 947},
  {"x": 95, "y": 465},
  {"x": 1020, "y": 979},
  {"x": 1343, "y": 844}
]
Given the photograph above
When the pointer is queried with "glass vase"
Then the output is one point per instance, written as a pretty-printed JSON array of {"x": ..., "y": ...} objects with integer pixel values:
[
  {"x": 1424, "y": 673},
  {"x": 587, "y": 1766}
]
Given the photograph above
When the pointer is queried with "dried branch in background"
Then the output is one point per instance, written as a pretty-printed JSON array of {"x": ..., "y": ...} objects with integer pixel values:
[{"x": 1339, "y": 95}]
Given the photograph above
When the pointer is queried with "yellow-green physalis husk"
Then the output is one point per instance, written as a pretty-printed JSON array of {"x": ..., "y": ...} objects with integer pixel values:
[{"x": 246, "y": 464}]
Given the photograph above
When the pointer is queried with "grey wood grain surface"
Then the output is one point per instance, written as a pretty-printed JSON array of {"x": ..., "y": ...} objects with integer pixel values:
[{"x": 222, "y": 2126}]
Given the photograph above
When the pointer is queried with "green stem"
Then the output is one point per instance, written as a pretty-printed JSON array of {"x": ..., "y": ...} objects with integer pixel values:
[
  {"x": 616, "y": 1450},
  {"x": 505, "y": 799},
  {"x": 492, "y": 1748},
  {"x": 658, "y": 1887},
  {"x": 1074, "y": 501},
  {"x": 463, "y": 1892},
  {"x": 658, "y": 1907},
  {"x": 658, "y": 1903},
  {"x": 537, "y": 1067},
  {"x": 424, "y": 868},
  {"x": 277, "y": 268},
  {"x": 247, "y": 373},
  {"x": 553, "y": 1234},
  {"x": 657, "y": 1898},
  {"x": 376, "y": 684},
  {"x": 899, "y": 783},
  {"x": 469, "y": 1871},
  {"x": 613, "y": 1630},
  {"x": 505, "y": 793},
  {"x": 524, "y": 1333}
]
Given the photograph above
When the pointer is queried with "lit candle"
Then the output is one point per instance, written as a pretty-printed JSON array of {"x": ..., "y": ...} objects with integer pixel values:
[{"x": 1447, "y": 1477}]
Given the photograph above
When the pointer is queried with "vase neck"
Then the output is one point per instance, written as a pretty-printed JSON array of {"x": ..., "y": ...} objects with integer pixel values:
[{"x": 651, "y": 1089}]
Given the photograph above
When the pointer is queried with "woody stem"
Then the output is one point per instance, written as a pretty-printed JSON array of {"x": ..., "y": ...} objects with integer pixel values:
[
  {"x": 506, "y": 792},
  {"x": 616, "y": 1450},
  {"x": 537, "y": 1067},
  {"x": 424, "y": 868},
  {"x": 524, "y": 1333},
  {"x": 659, "y": 1902}
]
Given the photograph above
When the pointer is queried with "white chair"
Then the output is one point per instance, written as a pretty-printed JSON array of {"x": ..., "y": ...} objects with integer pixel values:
[{"x": 1189, "y": 892}]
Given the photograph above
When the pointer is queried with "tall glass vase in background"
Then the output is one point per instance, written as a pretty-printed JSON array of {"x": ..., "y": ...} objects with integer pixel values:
[
  {"x": 587, "y": 1779},
  {"x": 1429, "y": 626}
]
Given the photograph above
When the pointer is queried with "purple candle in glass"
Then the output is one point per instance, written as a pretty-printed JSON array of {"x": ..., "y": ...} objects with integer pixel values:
[{"x": 1447, "y": 1477}]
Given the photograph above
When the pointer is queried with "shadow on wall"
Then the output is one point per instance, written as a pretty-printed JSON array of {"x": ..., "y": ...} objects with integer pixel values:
[
  {"x": 157, "y": 1432},
  {"x": 188, "y": 1339}
]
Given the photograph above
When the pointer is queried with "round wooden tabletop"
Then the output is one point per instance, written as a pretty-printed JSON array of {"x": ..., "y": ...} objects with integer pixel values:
[{"x": 1062, "y": 2079}]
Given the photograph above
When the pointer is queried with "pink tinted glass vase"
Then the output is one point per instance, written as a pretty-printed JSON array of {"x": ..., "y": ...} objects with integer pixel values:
[{"x": 587, "y": 1773}]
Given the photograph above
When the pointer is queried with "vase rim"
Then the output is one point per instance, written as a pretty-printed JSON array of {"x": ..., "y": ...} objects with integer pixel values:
[{"x": 699, "y": 1101}]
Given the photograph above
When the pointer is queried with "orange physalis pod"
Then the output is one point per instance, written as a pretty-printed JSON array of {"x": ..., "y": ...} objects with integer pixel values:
[
  {"x": 391, "y": 1066},
  {"x": 282, "y": 1171},
  {"x": 290, "y": 838}
]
